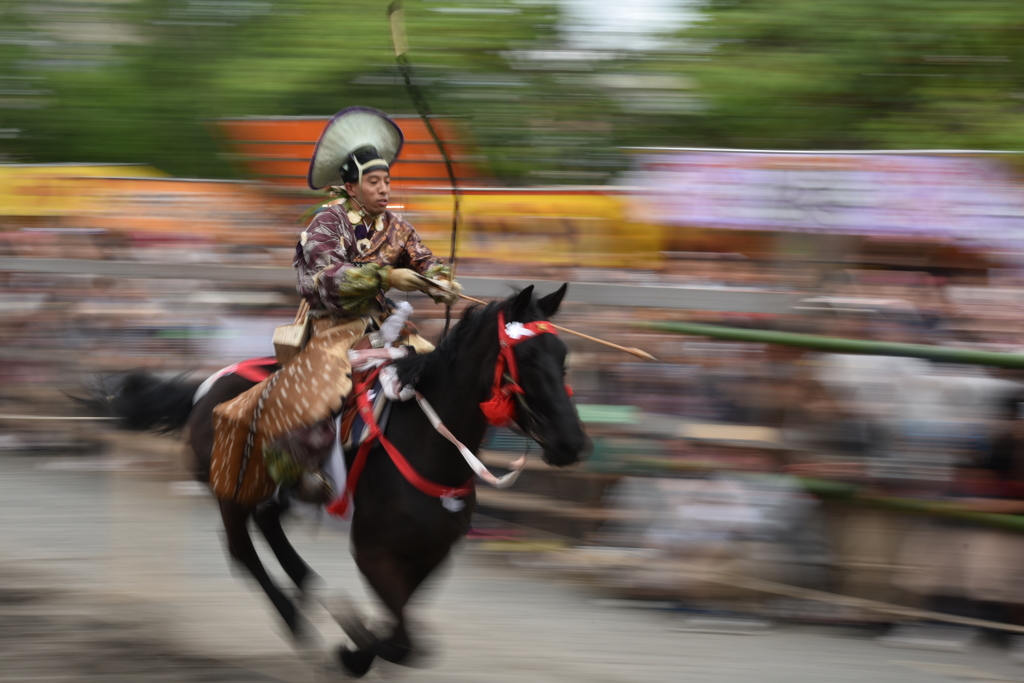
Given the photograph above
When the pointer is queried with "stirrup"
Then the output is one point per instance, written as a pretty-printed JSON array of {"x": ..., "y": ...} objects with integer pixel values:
[{"x": 313, "y": 487}]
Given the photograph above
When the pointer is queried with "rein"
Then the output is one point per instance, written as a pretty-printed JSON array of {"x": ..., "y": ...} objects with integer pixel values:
[
  {"x": 499, "y": 410},
  {"x": 339, "y": 507},
  {"x": 478, "y": 467}
]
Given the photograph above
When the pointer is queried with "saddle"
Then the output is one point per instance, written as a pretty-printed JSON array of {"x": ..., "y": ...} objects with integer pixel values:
[{"x": 296, "y": 418}]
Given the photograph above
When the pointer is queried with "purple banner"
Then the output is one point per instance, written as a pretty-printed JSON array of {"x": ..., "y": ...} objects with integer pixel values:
[{"x": 955, "y": 197}]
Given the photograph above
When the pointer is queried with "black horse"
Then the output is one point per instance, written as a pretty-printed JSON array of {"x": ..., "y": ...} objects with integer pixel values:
[{"x": 399, "y": 534}]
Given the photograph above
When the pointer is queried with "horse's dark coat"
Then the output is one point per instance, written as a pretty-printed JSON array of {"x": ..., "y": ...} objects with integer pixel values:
[{"x": 399, "y": 535}]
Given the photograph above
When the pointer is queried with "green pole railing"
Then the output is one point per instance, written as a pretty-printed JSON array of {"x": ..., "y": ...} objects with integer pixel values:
[
  {"x": 851, "y": 492},
  {"x": 931, "y": 508},
  {"x": 840, "y": 345}
]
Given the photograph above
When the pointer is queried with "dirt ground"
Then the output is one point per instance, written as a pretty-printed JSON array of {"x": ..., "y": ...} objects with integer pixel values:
[
  {"x": 110, "y": 573},
  {"x": 52, "y": 634}
]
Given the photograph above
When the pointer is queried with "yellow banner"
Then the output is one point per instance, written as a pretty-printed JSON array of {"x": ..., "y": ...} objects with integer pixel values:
[
  {"x": 570, "y": 228},
  {"x": 57, "y": 190}
]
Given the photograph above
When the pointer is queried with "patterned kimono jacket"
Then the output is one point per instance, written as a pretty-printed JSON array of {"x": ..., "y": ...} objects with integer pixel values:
[
  {"x": 333, "y": 253},
  {"x": 342, "y": 266}
]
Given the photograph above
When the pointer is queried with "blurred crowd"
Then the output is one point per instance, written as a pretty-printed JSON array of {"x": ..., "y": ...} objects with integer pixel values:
[
  {"x": 708, "y": 415},
  {"x": 941, "y": 443},
  {"x": 896, "y": 479}
]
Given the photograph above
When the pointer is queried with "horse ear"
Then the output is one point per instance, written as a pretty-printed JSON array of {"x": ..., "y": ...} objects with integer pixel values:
[
  {"x": 521, "y": 301},
  {"x": 549, "y": 304}
]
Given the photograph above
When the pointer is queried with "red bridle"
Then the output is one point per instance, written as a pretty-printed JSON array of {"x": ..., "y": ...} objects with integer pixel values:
[{"x": 500, "y": 409}]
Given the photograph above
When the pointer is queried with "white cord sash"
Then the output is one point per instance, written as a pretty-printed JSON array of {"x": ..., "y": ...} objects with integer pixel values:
[{"x": 478, "y": 467}]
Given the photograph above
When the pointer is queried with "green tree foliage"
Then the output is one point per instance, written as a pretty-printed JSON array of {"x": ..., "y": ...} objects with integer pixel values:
[
  {"x": 113, "y": 81},
  {"x": 171, "y": 67},
  {"x": 860, "y": 74}
]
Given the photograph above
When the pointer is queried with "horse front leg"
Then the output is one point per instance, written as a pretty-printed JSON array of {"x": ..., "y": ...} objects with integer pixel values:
[
  {"x": 394, "y": 578},
  {"x": 235, "y": 518}
]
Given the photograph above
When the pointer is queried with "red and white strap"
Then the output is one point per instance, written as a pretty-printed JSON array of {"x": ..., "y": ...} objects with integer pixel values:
[{"x": 474, "y": 463}]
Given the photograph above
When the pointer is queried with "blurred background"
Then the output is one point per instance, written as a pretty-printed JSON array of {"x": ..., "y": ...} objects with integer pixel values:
[{"x": 849, "y": 170}]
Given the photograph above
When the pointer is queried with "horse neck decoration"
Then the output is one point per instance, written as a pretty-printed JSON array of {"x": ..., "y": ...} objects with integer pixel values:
[
  {"x": 467, "y": 376},
  {"x": 399, "y": 535},
  {"x": 500, "y": 409}
]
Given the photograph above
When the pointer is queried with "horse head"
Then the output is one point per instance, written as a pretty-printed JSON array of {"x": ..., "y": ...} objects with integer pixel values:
[
  {"x": 507, "y": 361},
  {"x": 543, "y": 411}
]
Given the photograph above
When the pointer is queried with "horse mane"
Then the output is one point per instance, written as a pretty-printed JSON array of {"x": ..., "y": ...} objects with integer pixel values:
[{"x": 422, "y": 370}]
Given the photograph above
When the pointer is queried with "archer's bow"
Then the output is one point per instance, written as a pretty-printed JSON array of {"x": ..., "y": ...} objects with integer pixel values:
[{"x": 396, "y": 17}]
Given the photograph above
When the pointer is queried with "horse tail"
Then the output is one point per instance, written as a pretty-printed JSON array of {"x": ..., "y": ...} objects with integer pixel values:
[{"x": 143, "y": 401}]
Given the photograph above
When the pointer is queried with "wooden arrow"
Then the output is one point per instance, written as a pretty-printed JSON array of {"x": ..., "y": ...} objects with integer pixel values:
[{"x": 628, "y": 349}]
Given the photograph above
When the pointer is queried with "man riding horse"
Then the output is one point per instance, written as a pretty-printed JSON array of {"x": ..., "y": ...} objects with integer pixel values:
[
  {"x": 352, "y": 252},
  {"x": 255, "y": 434}
]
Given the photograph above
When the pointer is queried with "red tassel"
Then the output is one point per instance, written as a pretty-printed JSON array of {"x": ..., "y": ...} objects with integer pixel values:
[{"x": 500, "y": 410}]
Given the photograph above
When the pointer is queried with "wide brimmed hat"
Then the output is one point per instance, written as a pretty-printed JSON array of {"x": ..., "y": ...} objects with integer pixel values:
[{"x": 349, "y": 130}]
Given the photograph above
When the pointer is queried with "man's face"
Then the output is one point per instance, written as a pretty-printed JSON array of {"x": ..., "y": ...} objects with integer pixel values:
[{"x": 373, "y": 192}]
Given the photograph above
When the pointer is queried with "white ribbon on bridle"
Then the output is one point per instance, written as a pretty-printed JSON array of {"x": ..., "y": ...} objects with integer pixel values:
[
  {"x": 474, "y": 463},
  {"x": 363, "y": 359}
]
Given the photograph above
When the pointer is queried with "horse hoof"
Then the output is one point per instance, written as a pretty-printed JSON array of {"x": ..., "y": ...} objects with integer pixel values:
[
  {"x": 391, "y": 652},
  {"x": 355, "y": 662},
  {"x": 357, "y": 631}
]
